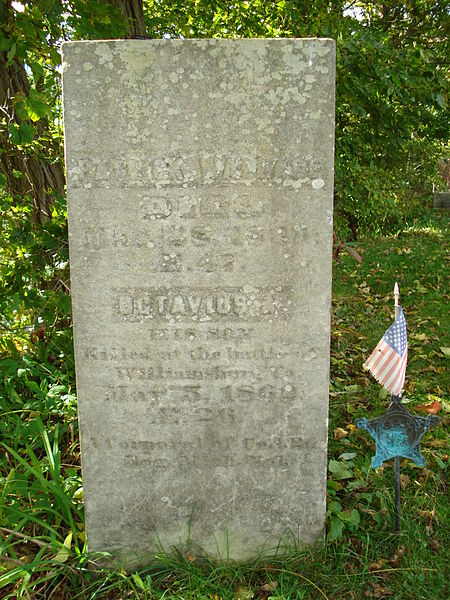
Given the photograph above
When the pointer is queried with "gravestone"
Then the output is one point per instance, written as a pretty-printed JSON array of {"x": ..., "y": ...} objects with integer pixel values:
[
  {"x": 441, "y": 200},
  {"x": 200, "y": 182}
]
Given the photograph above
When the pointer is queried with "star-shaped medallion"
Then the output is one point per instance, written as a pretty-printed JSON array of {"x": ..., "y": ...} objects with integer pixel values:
[{"x": 397, "y": 433}]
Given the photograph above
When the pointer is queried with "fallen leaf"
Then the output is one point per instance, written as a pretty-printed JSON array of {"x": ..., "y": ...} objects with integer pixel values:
[
  {"x": 432, "y": 408},
  {"x": 271, "y": 586},
  {"x": 340, "y": 433},
  {"x": 434, "y": 545},
  {"x": 243, "y": 593},
  {"x": 445, "y": 352},
  {"x": 404, "y": 481},
  {"x": 357, "y": 545},
  {"x": 438, "y": 443},
  {"x": 350, "y": 567},
  {"x": 397, "y": 556},
  {"x": 380, "y": 564},
  {"x": 377, "y": 591}
]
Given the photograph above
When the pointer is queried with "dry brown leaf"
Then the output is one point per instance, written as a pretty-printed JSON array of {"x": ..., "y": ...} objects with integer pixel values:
[
  {"x": 404, "y": 481},
  {"x": 434, "y": 545},
  {"x": 437, "y": 443},
  {"x": 380, "y": 564},
  {"x": 378, "y": 591},
  {"x": 349, "y": 567},
  {"x": 340, "y": 433},
  {"x": 432, "y": 408},
  {"x": 382, "y": 592},
  {"x": 270, "y": 586},
  {"x": 397, "y": 556}
]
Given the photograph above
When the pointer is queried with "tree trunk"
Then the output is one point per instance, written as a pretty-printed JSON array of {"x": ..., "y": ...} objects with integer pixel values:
[
  {"x": 133, "y": 11},
  {"x": 39, "y": 178}
]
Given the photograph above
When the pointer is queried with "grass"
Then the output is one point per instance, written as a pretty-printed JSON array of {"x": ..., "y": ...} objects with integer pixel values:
[{"x": 42, "y": 543}]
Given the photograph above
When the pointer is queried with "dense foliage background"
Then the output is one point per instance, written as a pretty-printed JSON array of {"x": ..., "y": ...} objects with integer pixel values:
[{"x": 391, "y": 138}]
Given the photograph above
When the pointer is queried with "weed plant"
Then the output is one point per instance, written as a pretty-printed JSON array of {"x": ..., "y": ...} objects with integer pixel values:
[{"x": 42, "y": 542}]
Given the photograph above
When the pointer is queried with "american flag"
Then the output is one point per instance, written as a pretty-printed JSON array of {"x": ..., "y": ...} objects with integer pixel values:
[{"x": 387, "y": 363}]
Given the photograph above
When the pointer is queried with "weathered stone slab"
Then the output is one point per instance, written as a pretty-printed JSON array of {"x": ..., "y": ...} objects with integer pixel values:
[
  {"x": 441, "y": 200},
  {"x": 200, "y": 182}
]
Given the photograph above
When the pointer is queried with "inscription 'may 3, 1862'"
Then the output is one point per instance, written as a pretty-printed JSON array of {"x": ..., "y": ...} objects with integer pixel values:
[{"x": 200, "y": 179}]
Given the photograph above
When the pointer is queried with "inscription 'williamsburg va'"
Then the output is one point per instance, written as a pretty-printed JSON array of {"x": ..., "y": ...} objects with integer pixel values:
[{"x": 200, "y": 181}]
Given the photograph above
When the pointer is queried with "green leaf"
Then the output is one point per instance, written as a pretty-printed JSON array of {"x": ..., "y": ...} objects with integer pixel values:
[
  {"x": 138, "y": 581},
  {"x": 21, "y": 110},
  {"x": 347, "y": 455},
  {"x": 79, "y": 494},
  {"x": 337, "y": 526},
  {"x": 356, "y": 485},
  {"x": 14, "y": 133},
  {"x": 56, "y": 390},
  {"x": 37, "y": 106},
  {"x": 5, "y": 42},
  {"x": 11, "y": 54},
  {"x": 339, "y": 470},
  {"x": 354, "y": 518},
  {"x": 335, "y": 507},
  {"x": 20, "y": 134},
  {"x": 441, "y": 101},
  {"x": 26, "y": 131},
  {"x": 33, "y": 386},
  {"x": 64, "y": 552},
  {"x": 383, "y": 393},
  {"x": 440, "y": 463},
  {"x": 37, "y": 70}
]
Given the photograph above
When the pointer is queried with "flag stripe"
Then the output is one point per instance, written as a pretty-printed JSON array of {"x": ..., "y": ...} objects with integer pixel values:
[
  {"x": 383, "y": 358},
  {"x": 377, "y": 355},
  {"x": 387, "y": 363},
  {"x": 393, "y": 364},
  {"x": 398, "y": 389},
  {"x": 400, "y": 364}
]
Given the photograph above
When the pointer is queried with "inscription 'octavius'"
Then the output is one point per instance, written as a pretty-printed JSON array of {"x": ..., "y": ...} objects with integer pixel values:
[{"x": 204, "y": 305}]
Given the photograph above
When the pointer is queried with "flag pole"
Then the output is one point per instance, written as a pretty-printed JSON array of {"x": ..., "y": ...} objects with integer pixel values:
[{"x": 397, "y": 458}]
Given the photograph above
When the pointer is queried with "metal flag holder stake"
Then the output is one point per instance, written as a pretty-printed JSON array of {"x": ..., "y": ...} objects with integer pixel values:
[{"x": 397, "y": 433}]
